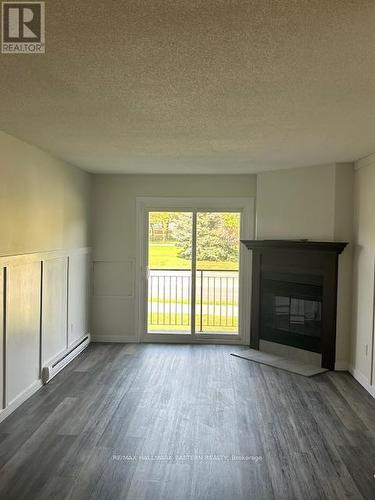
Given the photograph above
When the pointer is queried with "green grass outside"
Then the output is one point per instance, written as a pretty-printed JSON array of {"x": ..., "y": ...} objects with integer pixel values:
[
  {"x": 165, "y": 256},
  {"x": 157, "y": 300},
  {"x": 167, "y": 318}
]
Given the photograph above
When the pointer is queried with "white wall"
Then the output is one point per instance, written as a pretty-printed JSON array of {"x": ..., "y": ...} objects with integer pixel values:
[
  {"x": 343, "y": 231},
  {"x": 44, "y": 202},
  {"x": 114, "y": 238},
  {"x": 363, "y": 356},
  {"x": 314, "y": 203},
  {"x": 296, "y": 203},
  {"x": 44, "y": 264}
]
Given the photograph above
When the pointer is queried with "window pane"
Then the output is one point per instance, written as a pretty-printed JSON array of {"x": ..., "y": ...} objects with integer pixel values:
[
  {"x": 217, "y": 280},
  {"x": 169, "y": 279}
]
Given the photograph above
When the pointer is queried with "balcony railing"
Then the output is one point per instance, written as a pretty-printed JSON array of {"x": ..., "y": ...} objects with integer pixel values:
[{"x": 216, "y": 305}]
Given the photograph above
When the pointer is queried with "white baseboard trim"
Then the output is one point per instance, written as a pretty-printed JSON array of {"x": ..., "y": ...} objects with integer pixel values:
[
  {"x": 35, "y": 386},
  {"x": 362, "y": 380},
  {"x": 119, "y": 339},
  {"x": 341, "y": 366}
]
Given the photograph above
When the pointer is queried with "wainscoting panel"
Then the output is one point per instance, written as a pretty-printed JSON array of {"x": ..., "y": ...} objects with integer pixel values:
[
  {"x": 22, "y": 328},
  {"x": 34, "y": 319},
  {"x": 55, "y": 308},
  {"x": 2, "y": 271},
  {"x": 113, "y": 317},
  {"x": 78, "y": 296}
]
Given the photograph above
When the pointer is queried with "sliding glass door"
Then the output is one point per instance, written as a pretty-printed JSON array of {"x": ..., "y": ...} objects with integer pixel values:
[
  {"x": 193, "y": 264},
  {"x": 217, "y": 272},
  {"x": 169, "y": 273}
]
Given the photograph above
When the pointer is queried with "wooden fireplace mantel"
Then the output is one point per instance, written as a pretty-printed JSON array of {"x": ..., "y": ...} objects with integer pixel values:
[
  {"x": 298, "y": 257},
  {"x": 305, "y": 245}
]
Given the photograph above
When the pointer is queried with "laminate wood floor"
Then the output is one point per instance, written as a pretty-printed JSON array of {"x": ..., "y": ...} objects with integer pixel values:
[{"x": 188, "y": 422}]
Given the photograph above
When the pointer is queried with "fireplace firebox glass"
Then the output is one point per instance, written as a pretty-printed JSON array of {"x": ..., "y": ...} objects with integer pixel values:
[{"x": 291, "y": 311}]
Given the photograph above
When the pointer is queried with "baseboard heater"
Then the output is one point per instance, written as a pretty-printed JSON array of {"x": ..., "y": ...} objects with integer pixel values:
[{"x": 49, "y": 371}]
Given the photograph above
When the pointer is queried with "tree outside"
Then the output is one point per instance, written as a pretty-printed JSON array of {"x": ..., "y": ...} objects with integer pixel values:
[
  {"x": 160, "y": 225},
  {"x": 171, "y": 240},
  {"x": 217, "y": 237}
]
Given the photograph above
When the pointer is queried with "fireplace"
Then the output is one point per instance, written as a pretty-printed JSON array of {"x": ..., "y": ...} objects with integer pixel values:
[
  {"x": 291, "y": 310},
  {"x": 294, "y": 295}
]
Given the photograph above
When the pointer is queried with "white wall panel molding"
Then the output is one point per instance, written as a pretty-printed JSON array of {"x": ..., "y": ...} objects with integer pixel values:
[
  {"x": 2, "y": 338},
  {"x": 39, "y": 256},
  {"x": 54, "y": 308},
  {"x": 79, "y": 271},
  {"x": 22, "y": 336},
  {"x": 35, "y": 290},
  {"x": 113, "y": 316}
]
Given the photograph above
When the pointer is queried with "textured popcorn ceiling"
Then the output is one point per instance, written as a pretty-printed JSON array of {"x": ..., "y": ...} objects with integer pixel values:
[{"x": 207, "y": 86}]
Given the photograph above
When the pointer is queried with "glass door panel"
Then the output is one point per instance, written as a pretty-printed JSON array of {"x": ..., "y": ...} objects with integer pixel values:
[
  {"x": 170, "y": 237},
  {"x": 217, "y": 272}
]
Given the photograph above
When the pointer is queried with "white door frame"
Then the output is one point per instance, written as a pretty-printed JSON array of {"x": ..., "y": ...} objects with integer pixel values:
[{"x": 145, "y": 205}]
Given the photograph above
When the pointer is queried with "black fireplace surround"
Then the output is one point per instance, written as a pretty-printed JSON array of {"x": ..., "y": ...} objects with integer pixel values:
[{"x": 294, "y": 294}]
